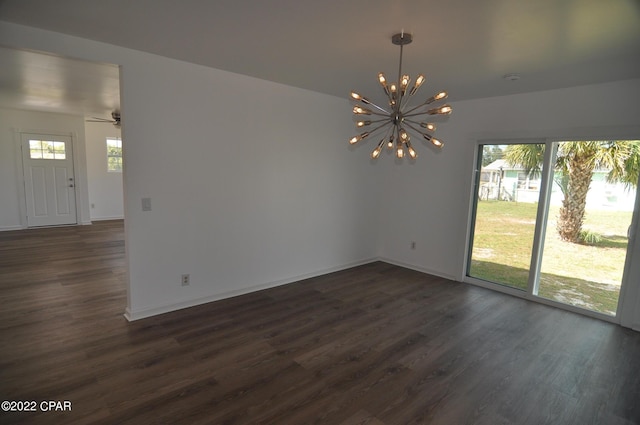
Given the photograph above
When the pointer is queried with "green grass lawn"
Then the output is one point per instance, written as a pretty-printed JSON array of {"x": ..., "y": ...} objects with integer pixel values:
[{"x": 580, "y": 275}]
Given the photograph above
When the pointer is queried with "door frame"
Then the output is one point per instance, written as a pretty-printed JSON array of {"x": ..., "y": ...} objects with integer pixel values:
[
  {"x": 629, "y": 293},
  {"x": 21, "y": 190}
]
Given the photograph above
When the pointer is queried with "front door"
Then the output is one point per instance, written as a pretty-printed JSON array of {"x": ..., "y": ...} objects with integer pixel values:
[{"x": 49, "y": 180}]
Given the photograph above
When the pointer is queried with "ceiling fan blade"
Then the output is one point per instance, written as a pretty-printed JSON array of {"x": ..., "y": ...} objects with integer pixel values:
[{"x": 115, "y": 119}]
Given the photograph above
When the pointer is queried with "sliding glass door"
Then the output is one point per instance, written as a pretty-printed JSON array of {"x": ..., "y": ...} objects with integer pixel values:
[
  {"x": 551, "y": 220},
  {"x": 505, "y": 216}
]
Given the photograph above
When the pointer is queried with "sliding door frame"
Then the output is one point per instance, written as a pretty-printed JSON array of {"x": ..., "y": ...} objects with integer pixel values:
[{"x": 633, "y": 254}]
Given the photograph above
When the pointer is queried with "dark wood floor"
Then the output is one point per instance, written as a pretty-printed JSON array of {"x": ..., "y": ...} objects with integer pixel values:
[{"x": 375, "y": 344}]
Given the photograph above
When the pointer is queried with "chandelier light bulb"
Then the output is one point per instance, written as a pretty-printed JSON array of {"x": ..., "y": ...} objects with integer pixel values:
[
  {"x": 394, "y": 95},
  {"x": 356, "y": 139},
  {"x": 437, "y": 143},
  {"x": 440, "y": 96},
  {"x": 446, "y": 109},
  {"x": 383, "y": 83},
  {"x": 417, "y": 84},
  {"x": 362, "y": 99},
  {"x": 398, "y": 117},
  {"x": 428, "y": 125},
  {"x": 404, "y": 82},
  {"x": 376, "y": 152},
  {"x": 412, "y": 152},
  {"x": 359, "y": 110},
  {"x": 403, "y": 135},
  {"x": 442, "y": 110}
]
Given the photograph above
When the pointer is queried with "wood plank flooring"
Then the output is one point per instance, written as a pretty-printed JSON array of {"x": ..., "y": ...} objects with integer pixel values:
[{"x": 376, "y": 344}]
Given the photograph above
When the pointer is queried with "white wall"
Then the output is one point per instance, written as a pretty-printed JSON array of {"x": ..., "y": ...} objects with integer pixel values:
[
  {"x": 435, "y": 196},
  {"x": 252, "y": 183},
  {"x": 105, "y": 188},
  {"x": 12, "y": 210}
]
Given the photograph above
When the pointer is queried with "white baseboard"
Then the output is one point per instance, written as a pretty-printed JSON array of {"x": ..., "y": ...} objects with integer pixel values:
[
  {"x": 20, "y": 227},
  {"x": 131, "y": 315},
  {"x": 418, "y": 268},
  {"x": 115, "y": 217},
  {"x": 9, "y": 228}
]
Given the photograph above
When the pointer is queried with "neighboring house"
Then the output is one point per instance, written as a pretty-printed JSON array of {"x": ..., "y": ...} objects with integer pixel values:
[{"x": 500, "y": 180}]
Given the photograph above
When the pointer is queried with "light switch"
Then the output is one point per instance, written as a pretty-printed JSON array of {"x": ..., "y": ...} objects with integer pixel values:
[{"x": 146, "y": 204}]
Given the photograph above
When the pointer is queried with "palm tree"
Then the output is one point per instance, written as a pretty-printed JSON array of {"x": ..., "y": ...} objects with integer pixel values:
[{"x": 575, "y": 164}]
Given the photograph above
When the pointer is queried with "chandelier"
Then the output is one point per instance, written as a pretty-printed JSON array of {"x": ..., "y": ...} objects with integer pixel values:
[{"x": 399, "y": 117}]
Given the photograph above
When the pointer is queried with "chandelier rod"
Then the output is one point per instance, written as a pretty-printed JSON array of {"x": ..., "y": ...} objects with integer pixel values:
[
  {"x": 400, "y": 40},
  {"x": 399, "y": 76}
]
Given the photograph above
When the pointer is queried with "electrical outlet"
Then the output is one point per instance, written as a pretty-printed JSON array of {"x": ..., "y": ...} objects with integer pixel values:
[
  {"x": 185, "y": 280},
  {"x": 413, "y": 245}
]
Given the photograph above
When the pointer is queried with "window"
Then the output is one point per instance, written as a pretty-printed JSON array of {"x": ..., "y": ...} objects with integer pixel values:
[
  {"x": 526, "y": 181},
  {"x": 114, "y": 155},
  {"x": 46, "y": 149}
]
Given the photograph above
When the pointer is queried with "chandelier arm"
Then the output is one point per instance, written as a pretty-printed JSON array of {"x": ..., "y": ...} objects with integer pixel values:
[
  {"x": 408, "y": 123},
  {"x": 404, "y": 99},
  {"x": 389, "y": 96},
  {"x": 373, "y": 130},
  {"x": 388, "y": 134},
  {"x": 417, "y": 114},
  {"x": 372, "y": 113},
  {"x": 379, "y": 108},
  {"x": 412, "y": 122},
  {"x": 414, "y": 108},
  {"x": 376, "y": 152},
  {"x": 410, "y": 95},
  {"x": 380, "y": 120},
  {"x": 406, "y": 104}
]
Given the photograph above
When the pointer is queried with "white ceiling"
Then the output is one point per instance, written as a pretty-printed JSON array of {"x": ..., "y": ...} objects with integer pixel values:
[
  {"x": 334, "y": 46},
  {"x": 44, "y": 82}
]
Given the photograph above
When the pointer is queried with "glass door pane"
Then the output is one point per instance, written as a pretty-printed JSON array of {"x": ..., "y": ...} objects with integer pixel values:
[
  {"x": 505, "y": 207},
  {"x": 585, "y": 242}
]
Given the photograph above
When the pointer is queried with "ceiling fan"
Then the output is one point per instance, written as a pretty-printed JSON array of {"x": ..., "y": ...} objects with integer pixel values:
[{"x": 115, "y": 119}]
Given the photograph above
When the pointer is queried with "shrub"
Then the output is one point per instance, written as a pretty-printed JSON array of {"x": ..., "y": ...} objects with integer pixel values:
[{"x": 589, "y": 237}]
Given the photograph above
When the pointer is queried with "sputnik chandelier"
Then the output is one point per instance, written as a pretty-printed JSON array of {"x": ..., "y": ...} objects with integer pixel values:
[{"x": 399, "y": 116}]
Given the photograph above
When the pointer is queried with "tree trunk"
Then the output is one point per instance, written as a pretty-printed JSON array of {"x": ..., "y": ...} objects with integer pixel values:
[{"x": 571, "y": 214}]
